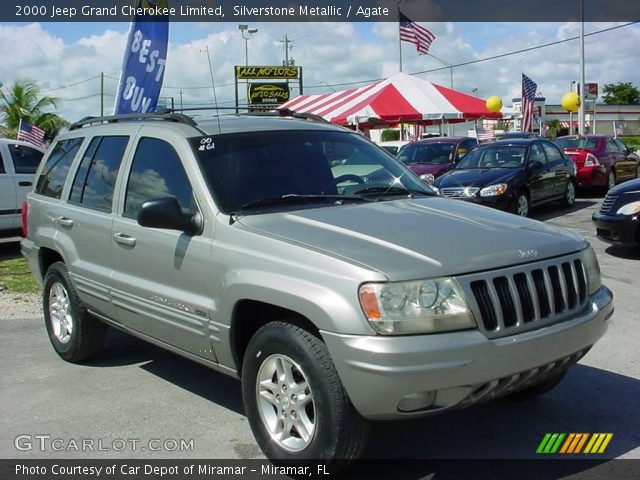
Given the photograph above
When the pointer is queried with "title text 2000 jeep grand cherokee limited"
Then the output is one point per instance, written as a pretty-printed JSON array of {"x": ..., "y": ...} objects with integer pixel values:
[{"x": 305, "y": 260}]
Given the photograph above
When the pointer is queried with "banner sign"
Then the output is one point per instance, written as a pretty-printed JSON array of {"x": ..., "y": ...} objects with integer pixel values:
[
  {"x": 145, "y": 58},
  {"x": 268, "y": 93},
  {"x": 267, "y": 72}
]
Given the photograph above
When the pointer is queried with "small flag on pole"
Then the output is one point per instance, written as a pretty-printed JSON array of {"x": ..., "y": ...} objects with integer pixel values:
[
  {"x": 414, "y": 33},
  {"x": 618, "y": 129},
  {"x": 485, "y": 135},
  {"x": 32, "y": 134},
  {"x": 529, "y": 88}
]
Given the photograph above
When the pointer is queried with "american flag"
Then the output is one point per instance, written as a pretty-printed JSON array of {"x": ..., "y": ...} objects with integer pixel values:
[
  {"x": 32, "y": 134},
  {"x": 413, "y": 33},
  {"x": 528, "y": 96},
  {"x": 618, "y": 129},
  {"x": 485, "y": 135}
]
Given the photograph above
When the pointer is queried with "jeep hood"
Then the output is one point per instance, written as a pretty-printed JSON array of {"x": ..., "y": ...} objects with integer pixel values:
[{"x": 419, "y": 238}]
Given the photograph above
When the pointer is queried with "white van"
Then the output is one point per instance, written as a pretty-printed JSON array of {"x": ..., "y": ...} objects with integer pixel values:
[{"x": 18, "y": 163}]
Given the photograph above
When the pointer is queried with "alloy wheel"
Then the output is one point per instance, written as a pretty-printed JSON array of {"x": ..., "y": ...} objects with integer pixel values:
[
  {"x": 286, "y": 403},
  {"x": 570, "y": 194},
  {"x": 60, "y": 312},
  {"x": 523, "y": 205}
]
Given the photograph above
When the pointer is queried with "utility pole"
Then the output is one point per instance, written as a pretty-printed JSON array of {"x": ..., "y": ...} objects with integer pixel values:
[
  {"x": 102, "y": 94},
  {"x": 181, "y": 106},
  {"x": 286, "y": 43}
]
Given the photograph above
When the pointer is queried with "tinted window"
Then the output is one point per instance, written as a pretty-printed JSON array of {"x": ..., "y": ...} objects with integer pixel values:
[
  {"x": 2, "y": 170},
  {"x": 587, "y": 143},
  {"x": 621, "y": 145},
  {"x": 56, "y": 168},
  {"x": 25, "y": 159},
  {"x": 156, "y": 171},
  {"x": 536, "y": 154},
  {"x": 553, "y": 154},
  {"x": 493, "y": 156},
  {"x": 427, "y": 153},
  {"x": 612, "y": 146},
  {"x": 96, "y": 176}
]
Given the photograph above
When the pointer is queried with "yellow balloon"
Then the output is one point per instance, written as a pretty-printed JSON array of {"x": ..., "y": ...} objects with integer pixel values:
[
  {"x": 571, "y": 101},
  {"x": 494, "y": 104}
]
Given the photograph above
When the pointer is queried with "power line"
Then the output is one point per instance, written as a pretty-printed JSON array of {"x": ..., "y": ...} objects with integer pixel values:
[
  {"x": 70, "y": 85},
  {"x": 485, "y": 59}
]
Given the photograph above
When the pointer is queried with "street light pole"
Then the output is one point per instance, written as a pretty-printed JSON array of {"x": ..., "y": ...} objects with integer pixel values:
[
  {"x": 582, "y": 92},
  {"x": 246, "y": 35}
]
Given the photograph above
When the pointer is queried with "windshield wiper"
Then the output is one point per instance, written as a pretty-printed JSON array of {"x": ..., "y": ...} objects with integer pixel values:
[
  {"x": 294, "y": 198},
  {"x": 410, "y": 192}
]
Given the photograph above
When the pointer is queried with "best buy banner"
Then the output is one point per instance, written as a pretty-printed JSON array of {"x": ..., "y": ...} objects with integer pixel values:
[{"x": 145, "y": 57}]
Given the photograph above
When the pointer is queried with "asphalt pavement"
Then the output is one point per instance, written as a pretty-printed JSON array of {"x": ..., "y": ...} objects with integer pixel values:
[{"x": 137, "y": 393}]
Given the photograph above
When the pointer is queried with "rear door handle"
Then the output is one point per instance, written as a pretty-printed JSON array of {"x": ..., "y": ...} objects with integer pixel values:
[
  {"x": 64, "y": 222},
  {"x": 25, "y": 184},
  {"x": 124, "y": 239}
]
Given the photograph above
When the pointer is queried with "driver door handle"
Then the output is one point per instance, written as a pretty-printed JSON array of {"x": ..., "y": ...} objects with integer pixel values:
[{"x": 124, "y": 239}]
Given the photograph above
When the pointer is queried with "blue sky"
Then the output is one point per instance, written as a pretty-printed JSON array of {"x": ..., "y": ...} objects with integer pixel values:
[{"x": 59, "y": 54}]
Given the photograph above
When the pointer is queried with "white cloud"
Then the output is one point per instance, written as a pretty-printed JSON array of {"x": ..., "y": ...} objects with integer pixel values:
[{"x": 331, "y": 53}]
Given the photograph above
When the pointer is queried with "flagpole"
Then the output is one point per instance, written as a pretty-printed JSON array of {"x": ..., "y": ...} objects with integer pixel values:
[
  {"x": 399, "y": 40},
  {"x": 19, "y": 128}
]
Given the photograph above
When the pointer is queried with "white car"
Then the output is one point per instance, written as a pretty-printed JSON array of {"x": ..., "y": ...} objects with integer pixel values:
[{"x": 18, "y": 164}]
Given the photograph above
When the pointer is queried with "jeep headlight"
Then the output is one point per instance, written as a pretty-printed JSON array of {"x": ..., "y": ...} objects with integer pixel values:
[
  {"x": 494, "y": 190},
  {"x": 592, "y": 268},
  {"x": 422, "y": 306}
]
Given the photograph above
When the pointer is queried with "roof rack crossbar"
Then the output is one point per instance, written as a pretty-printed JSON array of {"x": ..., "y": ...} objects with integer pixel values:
[{"x": 167, "y": 116}]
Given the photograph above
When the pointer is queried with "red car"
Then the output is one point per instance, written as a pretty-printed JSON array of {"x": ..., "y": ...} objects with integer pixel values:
[{"x": 601, "y": 160}]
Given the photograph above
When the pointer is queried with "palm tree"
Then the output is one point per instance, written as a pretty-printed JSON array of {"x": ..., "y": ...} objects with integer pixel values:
[{"x": 24, "y": 102}]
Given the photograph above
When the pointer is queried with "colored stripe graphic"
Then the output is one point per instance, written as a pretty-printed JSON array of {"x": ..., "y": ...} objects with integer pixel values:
[{"x": 553, "y": 443}]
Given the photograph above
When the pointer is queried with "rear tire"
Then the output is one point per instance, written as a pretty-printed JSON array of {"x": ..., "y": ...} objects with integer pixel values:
[
  {"x": 611, "y": 179},
  {"x": 569, "y": 198},
  {"x": 294, "y": 399},
  {"x": 74, "y": 334}
]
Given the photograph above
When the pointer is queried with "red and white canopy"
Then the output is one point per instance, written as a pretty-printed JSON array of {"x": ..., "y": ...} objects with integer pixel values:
[{"x": 400, "y": 98}]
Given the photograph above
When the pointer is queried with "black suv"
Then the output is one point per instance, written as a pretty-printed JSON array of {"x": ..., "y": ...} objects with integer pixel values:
[{"x": 512, "y": 175}]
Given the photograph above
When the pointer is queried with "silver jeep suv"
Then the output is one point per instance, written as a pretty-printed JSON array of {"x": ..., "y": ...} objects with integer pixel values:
[{"x": 305, "y": 260}]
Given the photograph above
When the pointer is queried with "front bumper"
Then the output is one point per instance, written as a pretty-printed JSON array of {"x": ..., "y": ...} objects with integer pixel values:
[
  {"x": 451, "y": 369},
  {"x": 617, "y": 229},
  {"x": 505, "y": 203}
]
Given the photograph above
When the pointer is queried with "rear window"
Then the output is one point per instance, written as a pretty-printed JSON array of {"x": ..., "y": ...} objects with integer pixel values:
[
  {"x": 55, "y": 170},
  {"x": 586, "y": 143},
  {"x": 25, "y": 159}
]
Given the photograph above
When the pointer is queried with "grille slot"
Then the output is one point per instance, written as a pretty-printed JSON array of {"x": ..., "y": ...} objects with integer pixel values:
[
  {"x": 520, "y": 299},
  {"x": 608, "y": 203}
]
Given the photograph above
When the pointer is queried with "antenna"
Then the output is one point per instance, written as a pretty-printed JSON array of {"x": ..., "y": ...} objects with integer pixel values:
[{"x": 213, "y": 85}]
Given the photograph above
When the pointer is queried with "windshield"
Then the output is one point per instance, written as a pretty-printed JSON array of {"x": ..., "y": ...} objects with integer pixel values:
[
  {"x": 252, "y": 171},
  {"x": 426, "y": 153},
  {"x": 494, "y": 156},
  {"x": 587, "y": 143}
]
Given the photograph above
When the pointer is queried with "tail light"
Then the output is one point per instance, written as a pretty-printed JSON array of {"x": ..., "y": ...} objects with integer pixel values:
[
  {"x": 591, "y": 161},
  {"x": 23, "y": 216}
]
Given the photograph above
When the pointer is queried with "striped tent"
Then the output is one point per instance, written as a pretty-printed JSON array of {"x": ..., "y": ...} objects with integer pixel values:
[{"x": 400, "y": 98}]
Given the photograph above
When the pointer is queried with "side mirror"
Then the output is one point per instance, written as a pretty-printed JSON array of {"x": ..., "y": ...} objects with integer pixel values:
[{"x": 165, "y": 212}]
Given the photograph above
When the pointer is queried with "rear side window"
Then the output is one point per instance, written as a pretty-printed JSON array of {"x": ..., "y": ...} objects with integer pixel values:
[
  {"x": 25, "y": 159},
  {"x": 96, "y": 177},
  {"x": 156, "y": 171},
  {"x": 55, "y": 170},
  {"x": 553, "y": 154}
]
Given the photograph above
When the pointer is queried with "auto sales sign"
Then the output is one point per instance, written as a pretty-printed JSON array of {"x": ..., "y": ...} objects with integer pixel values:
[{"x": 268, "y": 93}]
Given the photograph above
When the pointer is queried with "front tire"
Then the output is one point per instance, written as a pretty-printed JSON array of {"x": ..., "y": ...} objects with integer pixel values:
[
  {"x": 294, "y": 399},
  {"x": 522, "y": 205},
  {"x": 74, "y": 334}
]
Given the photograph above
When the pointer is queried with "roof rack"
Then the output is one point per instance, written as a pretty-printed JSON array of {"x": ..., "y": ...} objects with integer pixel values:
[
  {"x": 163, "y": 115},
  {"x": 286, "y": 112}
]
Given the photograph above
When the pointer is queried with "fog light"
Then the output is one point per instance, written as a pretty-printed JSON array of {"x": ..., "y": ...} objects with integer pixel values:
[{"x": 416, "y": 401}]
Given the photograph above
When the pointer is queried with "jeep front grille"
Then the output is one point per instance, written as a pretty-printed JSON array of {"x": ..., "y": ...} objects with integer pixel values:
[
  {"x": 608, "y": 202},
  {"x": 525, "y": 298}
]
